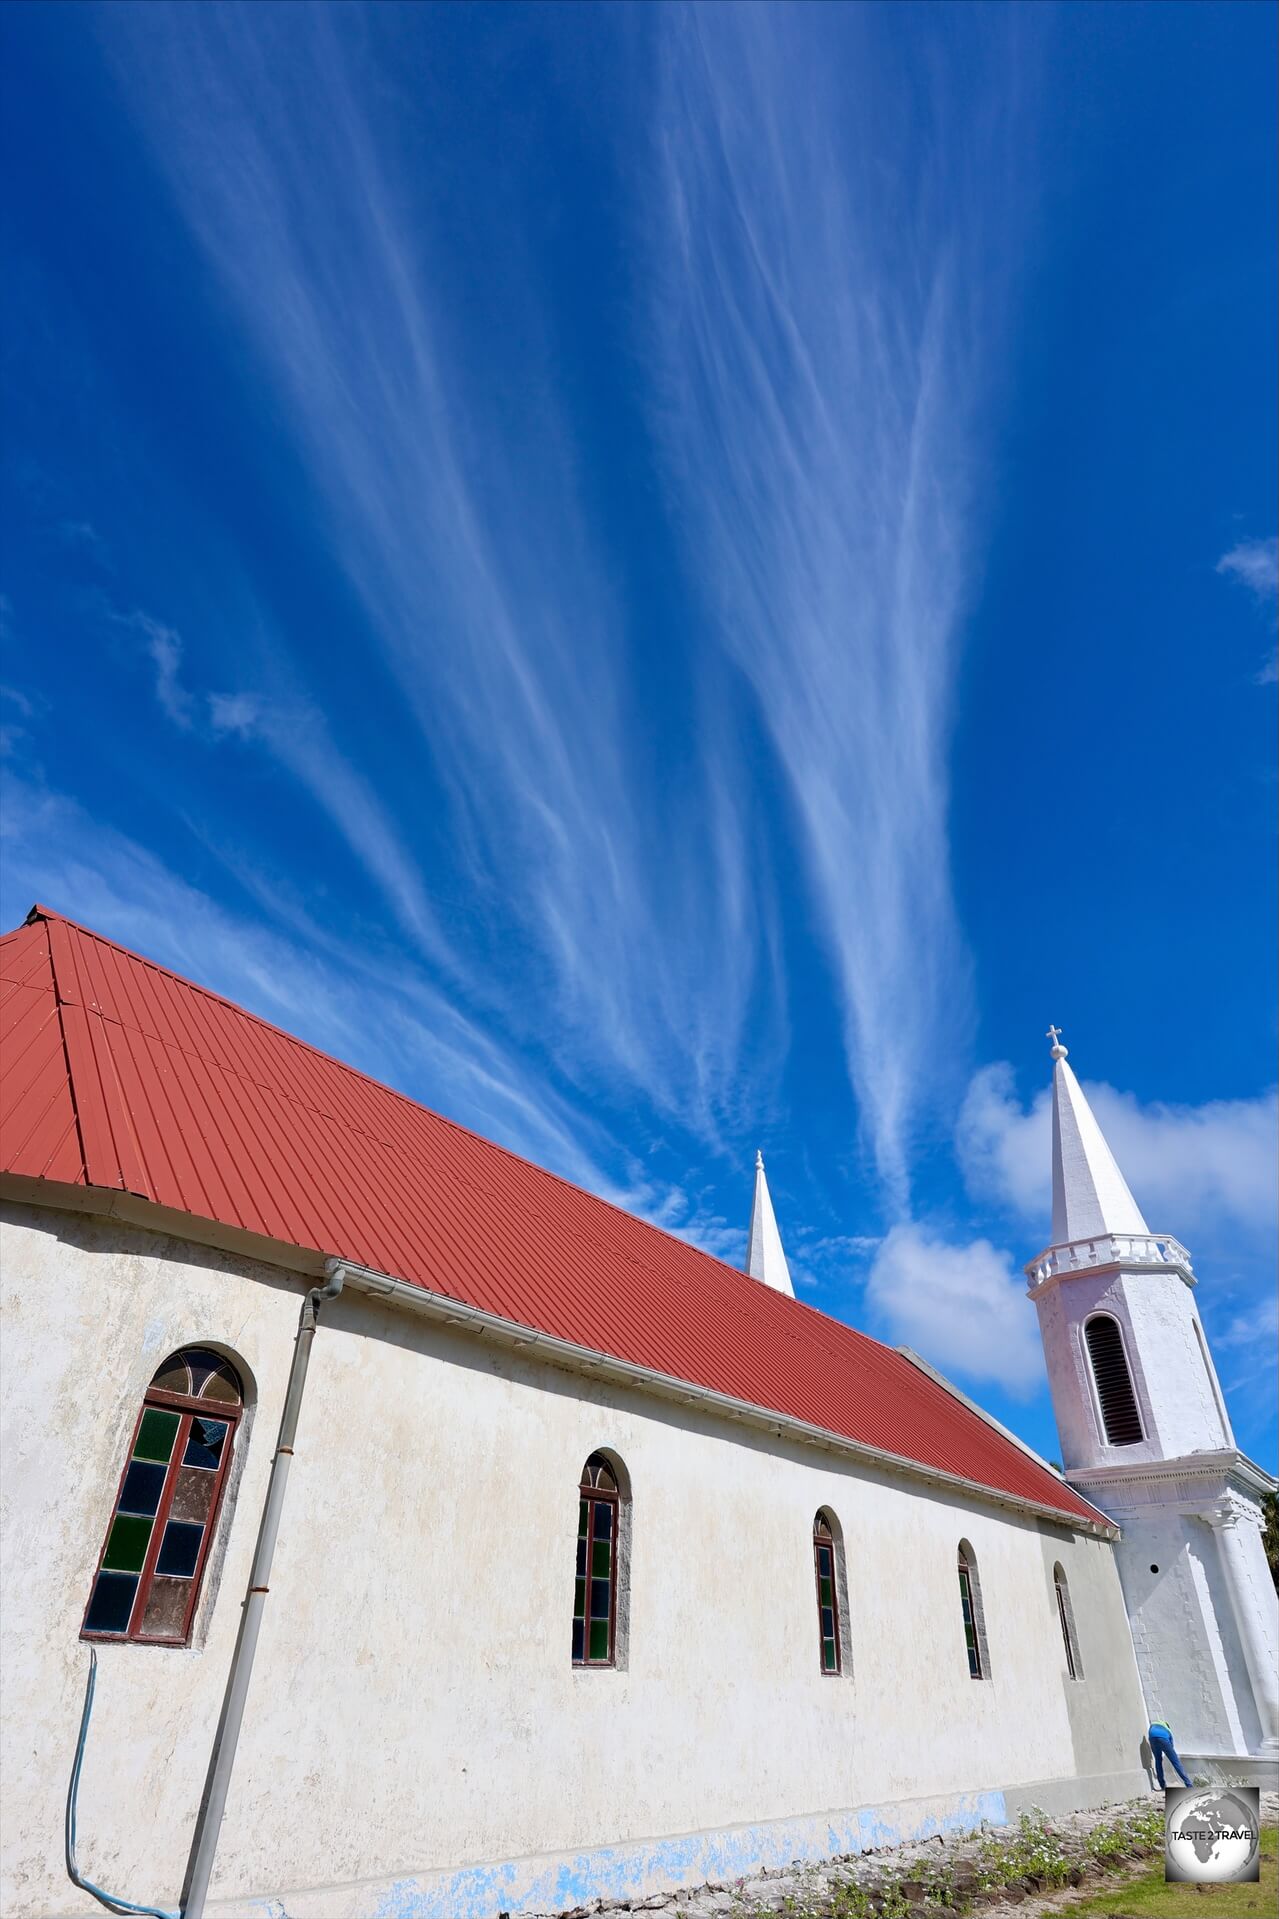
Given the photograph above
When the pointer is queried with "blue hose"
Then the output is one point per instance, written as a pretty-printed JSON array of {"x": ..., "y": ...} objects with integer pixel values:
[{"x": 107, "y": 1899}]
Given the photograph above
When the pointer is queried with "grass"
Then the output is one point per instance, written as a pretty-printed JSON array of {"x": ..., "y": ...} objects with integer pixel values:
[
  {"x": 1149, "y": 1897},
  {"x": 1033, "y": 1859}
]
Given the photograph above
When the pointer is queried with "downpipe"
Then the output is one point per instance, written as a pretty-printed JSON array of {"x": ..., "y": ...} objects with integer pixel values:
[{"x": 204, "y": 1843}]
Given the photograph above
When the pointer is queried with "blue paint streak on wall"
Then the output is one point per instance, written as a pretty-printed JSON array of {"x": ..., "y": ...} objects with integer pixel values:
[{"x": 690, "y": 1859}]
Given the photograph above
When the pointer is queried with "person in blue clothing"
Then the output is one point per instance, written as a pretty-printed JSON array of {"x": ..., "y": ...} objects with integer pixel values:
[{"x": 1160, "y": 1737}]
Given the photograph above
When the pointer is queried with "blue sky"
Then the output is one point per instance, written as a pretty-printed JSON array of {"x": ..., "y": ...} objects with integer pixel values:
[{"x": 675, "y": 579}]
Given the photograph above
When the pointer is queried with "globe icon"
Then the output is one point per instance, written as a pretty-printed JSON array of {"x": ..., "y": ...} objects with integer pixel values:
[{"x": 1213, "y": 1837}]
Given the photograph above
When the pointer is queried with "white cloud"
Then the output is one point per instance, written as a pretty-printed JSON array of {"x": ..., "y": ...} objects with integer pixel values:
[
  {"x": 1189, "y": 1167},
  {"x": 164, "y": 650},
  {"x": 1254, "y": 564},
  {"x": 454, "y": 505},
  {"x": 963, "y": 1306},
  {"x": 825, "y": 306},
  {"x": 233, "y": 713},
  {"x": 18, "y": 699},
  {"x": 1252, "y": 1330},
  {"x": 318, "y": 984},
  {"x": 297, "y": 736}
]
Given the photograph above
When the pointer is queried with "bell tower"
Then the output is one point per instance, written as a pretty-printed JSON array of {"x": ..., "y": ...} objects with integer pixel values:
[{"x": 1146, "y": 1436}]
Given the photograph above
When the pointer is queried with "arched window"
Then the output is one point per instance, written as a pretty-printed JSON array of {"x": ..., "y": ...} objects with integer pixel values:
[
  {"x": 974, "y": 1616},
  {"x": 153, "y": 1558},
  {"x": 828, "y": 1568},
  {"x": 1066, "y": 1616},
  {"x": 1115, "y": 1396},
  {"x": 595, "y": 1591}
]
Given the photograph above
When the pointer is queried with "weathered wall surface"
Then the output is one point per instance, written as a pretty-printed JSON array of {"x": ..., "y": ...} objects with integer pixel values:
[
  {"x": 414, "y": 1712},
  {"x": 1189, "y": 1656}
]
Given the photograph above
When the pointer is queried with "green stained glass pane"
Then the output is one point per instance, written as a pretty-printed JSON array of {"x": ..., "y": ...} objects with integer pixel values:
[
  {"x": 127, "y": 1546},
  {"x": 828, "y": 1655},
  {"x": 825, "y": 1591},
  {"x": 579, "y": 1600},
  {"x": 156, "y": 1434},
  {"x": 599, "y": 1639},
  {"x": 599, "y": 1559},
  {"x": 581, "y": 1519}
]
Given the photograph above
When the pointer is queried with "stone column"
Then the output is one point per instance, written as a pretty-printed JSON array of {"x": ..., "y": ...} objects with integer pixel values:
[{"x": 1237, "y": 1524}]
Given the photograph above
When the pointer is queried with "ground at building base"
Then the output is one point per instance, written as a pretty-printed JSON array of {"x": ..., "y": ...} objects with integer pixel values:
[{"x": 1107, "y": 1862}]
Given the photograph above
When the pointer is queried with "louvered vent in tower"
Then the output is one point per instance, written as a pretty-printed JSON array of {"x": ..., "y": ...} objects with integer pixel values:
[{"x": 1118, "y": 1402}]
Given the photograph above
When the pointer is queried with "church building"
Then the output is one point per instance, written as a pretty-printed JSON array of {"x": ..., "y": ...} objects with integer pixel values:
[{"x": 449, "y": 1543}]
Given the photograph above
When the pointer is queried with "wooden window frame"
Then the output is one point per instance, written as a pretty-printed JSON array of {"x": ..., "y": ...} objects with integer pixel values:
[
  {"x": 189, "y": 1407},
  {"x": 827, "y": 1539},
  {"x": 600, "y": 1496}
]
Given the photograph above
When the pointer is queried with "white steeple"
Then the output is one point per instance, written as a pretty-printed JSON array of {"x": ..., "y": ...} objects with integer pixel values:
[
  {"x": 1090, "y": 1194},
  {"x": 1145, "y": 1434},
  {"x": 765, "y": 1259}
]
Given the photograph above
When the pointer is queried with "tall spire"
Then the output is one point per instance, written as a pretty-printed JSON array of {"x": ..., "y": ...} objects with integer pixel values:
[
  {"x": 765, "y": 1259},
  {"x": 1090, "y": 1194}
]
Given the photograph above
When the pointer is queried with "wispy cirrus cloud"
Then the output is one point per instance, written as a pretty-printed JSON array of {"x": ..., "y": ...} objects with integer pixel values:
[
  {"x": 824, "y": 351},
  {"x": 312, "y": 980},
  {"x": 457, "y": 515},
  {"x": 297, "y": 736},
  {"x": 1254, "y": 564},
  {"x": 163, "y": 647}
]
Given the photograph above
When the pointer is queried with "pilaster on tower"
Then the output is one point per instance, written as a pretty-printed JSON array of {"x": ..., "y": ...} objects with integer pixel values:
[{"x": 765, "y": 1259}]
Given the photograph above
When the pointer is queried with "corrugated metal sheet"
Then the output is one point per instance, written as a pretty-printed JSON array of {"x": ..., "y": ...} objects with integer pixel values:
[{"x": 119, "y": 1074}]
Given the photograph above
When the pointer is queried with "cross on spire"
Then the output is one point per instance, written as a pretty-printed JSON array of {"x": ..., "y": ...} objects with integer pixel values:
[{"x": 1054, "y": 1034}]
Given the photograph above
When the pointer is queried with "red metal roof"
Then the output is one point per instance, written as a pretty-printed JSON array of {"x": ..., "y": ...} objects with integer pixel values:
[{"x": 121, "y": 1075}]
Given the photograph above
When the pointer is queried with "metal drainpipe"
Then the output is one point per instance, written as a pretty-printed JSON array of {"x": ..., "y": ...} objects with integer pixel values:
[{"x": 204, "y": 1844}]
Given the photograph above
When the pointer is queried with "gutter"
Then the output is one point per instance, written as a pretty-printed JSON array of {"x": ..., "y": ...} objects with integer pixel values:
[
  {"x": 134, "y": 1210},
  {"x": 444, "y": 1310}
]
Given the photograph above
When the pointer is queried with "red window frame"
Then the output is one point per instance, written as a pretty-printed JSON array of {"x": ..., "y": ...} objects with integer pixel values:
[
  {"x": 189, "y": 1407},
  {"x": 824, "y": 1541},
  {"x": 593, "y": 1495}
]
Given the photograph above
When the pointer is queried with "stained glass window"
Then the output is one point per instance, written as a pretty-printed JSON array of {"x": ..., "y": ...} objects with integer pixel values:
[
  {"x": 595, "y": 1585},
  {"x": 970, "y": 1606},
  {"x": 829, "y": 1625},
  {"x": 153, "y": 1558}
]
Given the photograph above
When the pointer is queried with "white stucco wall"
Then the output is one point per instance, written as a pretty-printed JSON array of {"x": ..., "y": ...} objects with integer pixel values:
[
  {"x": 1191, "y": 1665},
  {"x": 413, "y": 1708}
]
